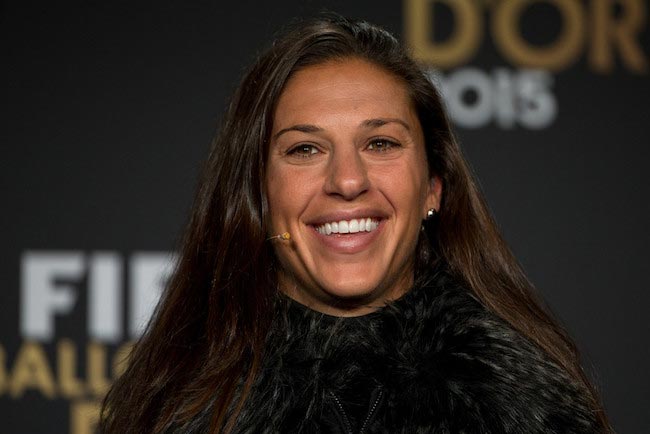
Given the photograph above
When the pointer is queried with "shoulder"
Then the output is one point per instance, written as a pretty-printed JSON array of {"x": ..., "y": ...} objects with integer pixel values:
[{"x": 476, "y": 370}]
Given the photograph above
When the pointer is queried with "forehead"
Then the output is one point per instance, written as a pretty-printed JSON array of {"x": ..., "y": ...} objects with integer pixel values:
[{"x": 352, "y": 87}]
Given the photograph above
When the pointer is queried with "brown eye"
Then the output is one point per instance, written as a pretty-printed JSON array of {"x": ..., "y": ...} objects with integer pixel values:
[
  {"x": 304, "y": 150},
  {"x": 382, "y": 145}
]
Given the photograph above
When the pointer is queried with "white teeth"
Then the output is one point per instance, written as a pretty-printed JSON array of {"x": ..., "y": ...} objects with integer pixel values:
[{"x": 348, "y": 226}]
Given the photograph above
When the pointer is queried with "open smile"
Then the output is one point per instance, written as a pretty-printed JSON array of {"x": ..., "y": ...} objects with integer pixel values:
[
  {"x": 348, "y": 236},
  {"x": 353, "y": 226}
]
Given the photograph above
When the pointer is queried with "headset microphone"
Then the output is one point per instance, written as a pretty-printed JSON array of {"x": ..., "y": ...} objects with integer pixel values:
[{"x": 286, "y": 236}]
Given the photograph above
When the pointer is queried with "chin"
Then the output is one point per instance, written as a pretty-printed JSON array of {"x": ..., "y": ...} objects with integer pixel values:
[{"x": 351, "y": 289}]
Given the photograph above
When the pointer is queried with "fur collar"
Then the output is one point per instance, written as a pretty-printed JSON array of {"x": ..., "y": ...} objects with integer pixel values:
[{"x": 434, "y": 361}]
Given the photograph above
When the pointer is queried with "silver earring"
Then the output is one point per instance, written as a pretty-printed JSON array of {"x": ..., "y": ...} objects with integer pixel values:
[{"x": 431, "y": 213}]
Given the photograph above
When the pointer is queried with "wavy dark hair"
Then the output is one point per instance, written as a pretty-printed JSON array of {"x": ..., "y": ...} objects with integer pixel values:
[{"x": 204, "y": 345}]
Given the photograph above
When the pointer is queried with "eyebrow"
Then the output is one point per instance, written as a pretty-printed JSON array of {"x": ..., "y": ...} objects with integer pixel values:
[
  {"x": 378, "y": 122},
  {"x": 368, "y": 123},
  {"x": 303, "y": 128}
]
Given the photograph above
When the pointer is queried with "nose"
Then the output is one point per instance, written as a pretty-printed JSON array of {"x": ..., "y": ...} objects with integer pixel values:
[{"x": 347, "y": 175}]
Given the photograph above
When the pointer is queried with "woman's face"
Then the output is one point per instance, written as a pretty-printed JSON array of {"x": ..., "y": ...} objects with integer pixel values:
[{"x": 347, "y": 177}]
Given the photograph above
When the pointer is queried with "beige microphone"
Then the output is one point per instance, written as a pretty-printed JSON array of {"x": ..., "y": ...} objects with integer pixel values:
[{"x": 286, "y": 236}]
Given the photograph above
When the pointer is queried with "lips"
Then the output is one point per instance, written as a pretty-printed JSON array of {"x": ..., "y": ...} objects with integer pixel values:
[
  {"x": 352, "y": 226},
  {"x": 349, "y": 231}
]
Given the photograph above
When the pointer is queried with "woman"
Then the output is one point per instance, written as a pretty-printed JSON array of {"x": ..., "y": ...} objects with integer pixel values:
[{"x": 341, "y": 272}]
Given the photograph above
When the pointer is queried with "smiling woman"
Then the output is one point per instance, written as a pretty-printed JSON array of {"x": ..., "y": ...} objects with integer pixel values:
[
  {"x": 341, "y": 272},
  {"x": 348, "y": 150}
]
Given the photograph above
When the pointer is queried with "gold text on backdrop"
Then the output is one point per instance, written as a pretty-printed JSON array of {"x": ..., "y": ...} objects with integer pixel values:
[{"x": 595, "y": 27}]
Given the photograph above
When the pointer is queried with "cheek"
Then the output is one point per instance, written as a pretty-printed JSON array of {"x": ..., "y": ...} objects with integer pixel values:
[
  {"x": 423, "y": 183},
  {"x": 407, "y": 190},
  {"x": 276, "y": 199},
  {"x": 286, "y": 193}
]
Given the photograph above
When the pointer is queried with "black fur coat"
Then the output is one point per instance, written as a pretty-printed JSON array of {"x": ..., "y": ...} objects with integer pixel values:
[{"x": 434, "y": 361}]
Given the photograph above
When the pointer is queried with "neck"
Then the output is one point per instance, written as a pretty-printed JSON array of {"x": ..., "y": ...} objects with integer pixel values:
[{"x": 320, "y": 300}]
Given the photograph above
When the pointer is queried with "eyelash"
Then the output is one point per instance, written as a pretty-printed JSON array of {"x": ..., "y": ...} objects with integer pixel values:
[
  {"x": 388, "y": 145},
  {"x": 298, "y": 151}
]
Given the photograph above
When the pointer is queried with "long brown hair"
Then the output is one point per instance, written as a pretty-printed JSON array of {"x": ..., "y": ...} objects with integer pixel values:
[{"x": 204, "y": 345}]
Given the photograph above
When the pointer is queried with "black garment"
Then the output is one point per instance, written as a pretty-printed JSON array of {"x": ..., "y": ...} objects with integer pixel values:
[{"x": 434, "y": 361}]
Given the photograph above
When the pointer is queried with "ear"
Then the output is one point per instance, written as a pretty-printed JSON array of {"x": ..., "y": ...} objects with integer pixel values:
[{"x": 434, "y": 195}]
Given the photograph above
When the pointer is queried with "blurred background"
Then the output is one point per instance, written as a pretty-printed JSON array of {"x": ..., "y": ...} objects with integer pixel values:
[{"x": 108, "y": 109}]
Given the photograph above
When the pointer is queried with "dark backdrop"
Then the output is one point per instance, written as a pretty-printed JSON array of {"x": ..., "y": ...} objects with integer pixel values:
[{"x": 108, "y": 109}]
